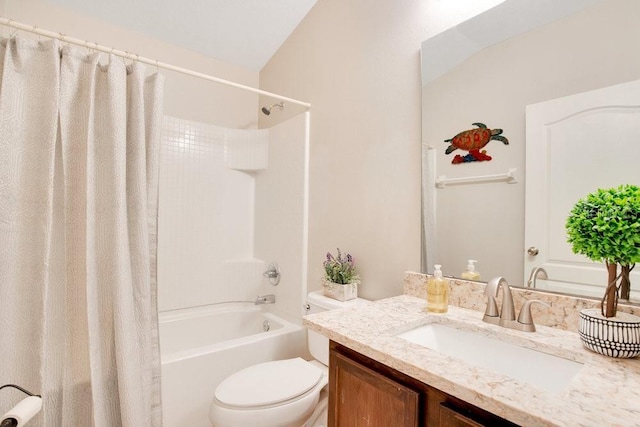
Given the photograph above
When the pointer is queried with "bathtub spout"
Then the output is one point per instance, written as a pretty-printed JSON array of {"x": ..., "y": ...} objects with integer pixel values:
[{"x": 265, "y": 299}]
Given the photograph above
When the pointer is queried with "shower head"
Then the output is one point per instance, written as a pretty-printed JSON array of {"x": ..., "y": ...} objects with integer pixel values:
[{"x": 266, "y": 111}]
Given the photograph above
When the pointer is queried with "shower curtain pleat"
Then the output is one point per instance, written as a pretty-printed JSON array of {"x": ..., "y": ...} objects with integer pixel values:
[
  {"x": 97, "y": 358},
  {"x": 28, "y": 129}
]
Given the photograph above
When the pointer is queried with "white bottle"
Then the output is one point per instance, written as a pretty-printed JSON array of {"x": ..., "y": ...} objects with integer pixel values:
[{"x": 471, "y": 273}]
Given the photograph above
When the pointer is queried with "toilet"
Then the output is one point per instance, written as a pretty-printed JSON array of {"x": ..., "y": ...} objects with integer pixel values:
[{"x": 281, "y": 393}]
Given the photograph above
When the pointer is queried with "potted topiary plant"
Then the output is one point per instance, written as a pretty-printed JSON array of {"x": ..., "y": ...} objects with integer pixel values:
[
  {"x": 605, "y": 227},
  {"x": 340, "y": 280}
]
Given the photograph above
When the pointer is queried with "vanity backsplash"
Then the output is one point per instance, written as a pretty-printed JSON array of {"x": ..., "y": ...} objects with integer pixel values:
[{"x": 563, "y": 311}]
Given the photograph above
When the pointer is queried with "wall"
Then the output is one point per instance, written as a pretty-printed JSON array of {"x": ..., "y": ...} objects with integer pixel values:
[
  {"x": 583, "y": 52},
  {"x": 358, "y": 63},
  {"x": 185, "y": 97}
]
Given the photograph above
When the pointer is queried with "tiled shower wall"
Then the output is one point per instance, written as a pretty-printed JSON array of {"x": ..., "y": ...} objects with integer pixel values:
[
  {"x": 205, "y": 217},
  {"x": 209, "y": 213},
  {"x": 279, "y": 205}
]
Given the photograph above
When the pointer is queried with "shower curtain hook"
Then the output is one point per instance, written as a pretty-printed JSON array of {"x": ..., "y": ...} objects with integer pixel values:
[
  {"x": 14, "y": 29},
  {"x": 111, "y": 55},
  {"x": 87, "y": 45}
]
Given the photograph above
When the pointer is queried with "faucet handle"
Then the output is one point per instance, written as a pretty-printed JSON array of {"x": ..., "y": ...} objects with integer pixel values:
[
  {"x": 525, "y": 319},
  {"x": 492, "y": 307},
  {"x": 273, "y": 274},
  {"x": 491, "y": 314}
]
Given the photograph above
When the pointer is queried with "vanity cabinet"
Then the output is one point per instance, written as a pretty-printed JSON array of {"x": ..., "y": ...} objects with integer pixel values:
[{"x": 364, "y": 392}]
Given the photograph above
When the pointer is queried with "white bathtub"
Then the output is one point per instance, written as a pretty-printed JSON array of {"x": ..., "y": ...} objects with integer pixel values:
[{"x": 202, "y": 346}]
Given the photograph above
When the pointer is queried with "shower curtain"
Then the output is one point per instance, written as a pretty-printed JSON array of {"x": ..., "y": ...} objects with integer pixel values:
[{"x": 79, "y": 144}]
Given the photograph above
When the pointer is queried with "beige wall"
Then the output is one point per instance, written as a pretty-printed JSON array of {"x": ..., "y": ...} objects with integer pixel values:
[
  {"x": 185, "y": 97},
  {"x": 357, "y": 63}
]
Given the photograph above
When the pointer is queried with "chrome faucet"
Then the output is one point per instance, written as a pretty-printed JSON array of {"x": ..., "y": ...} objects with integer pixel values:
[
  {"x": 535, "y": 272},
  {"x": 507, "y": 312},
  {"x": 265, "y": 299},
  {"x": 506, "y": 317}
]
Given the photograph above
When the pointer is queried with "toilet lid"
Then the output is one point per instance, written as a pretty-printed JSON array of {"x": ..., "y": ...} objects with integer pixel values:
[{"x": 268, "y": 383}]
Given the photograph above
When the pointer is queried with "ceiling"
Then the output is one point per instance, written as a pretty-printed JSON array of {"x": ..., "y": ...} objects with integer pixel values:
[{"x": 241, "y": 32}]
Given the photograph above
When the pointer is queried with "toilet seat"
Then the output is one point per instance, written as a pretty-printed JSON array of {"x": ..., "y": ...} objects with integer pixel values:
[
  {"x": 247, "y": 400},
  {"x": 268, "y": 384}
]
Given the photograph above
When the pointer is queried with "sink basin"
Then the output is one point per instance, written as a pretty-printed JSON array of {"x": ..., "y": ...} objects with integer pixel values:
[{"x": 551, "y": 373}]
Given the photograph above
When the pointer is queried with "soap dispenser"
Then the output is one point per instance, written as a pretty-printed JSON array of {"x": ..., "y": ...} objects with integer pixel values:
[
  {"x": 437, "y": 292},
  {"x": 471, "y": 273}
]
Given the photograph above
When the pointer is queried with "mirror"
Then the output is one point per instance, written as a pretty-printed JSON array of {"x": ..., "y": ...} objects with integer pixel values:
[{"x": 488, "y": 70}]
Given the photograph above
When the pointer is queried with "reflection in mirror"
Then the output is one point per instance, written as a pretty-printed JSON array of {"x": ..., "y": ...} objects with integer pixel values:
[
  {"x": 496, "y": 65},
  {"x": 563, "y": 136}
]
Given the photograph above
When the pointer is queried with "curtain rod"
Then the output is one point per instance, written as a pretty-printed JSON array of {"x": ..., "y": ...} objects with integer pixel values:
[{"x": 135, "y": 57}]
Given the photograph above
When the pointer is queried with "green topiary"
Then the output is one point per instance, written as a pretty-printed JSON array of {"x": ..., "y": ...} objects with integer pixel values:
[{"x": 605, "y": 227}]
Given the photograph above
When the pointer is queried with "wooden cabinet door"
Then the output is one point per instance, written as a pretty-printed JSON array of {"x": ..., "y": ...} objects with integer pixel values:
[{"x": 359, "y": 396}]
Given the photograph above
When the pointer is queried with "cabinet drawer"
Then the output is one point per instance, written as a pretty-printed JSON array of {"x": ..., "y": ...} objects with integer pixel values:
[{"x": 451, "y": 418}]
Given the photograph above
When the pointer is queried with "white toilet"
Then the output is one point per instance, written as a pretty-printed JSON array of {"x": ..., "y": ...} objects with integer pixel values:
[{"x": 282, "y": 393}]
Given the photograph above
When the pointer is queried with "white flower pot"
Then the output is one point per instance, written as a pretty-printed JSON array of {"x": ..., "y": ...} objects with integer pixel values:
[
  {"x": 617, "y": 336},
  {"x": 339, "y": 291}
]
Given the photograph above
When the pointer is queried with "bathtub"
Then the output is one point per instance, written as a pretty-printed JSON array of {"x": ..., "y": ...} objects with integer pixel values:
[{"x": 202, "y": 346}]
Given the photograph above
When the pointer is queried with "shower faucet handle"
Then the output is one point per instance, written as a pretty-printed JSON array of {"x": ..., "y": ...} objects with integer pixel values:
[{"x": 273, "y": 274}]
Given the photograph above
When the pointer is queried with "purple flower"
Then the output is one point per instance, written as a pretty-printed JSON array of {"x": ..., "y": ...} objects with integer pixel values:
[{"x": 339, "y": 269}]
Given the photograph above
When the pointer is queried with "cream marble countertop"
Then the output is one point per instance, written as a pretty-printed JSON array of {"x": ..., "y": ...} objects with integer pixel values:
[{"x": 606, "y": 391}]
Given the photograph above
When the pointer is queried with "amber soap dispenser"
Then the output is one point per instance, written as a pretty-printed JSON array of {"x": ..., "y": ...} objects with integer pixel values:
[{"x": 437, "y": 292}]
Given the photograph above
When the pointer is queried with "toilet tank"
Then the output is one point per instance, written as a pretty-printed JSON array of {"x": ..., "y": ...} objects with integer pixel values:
[{"x": 319, "y": 344}]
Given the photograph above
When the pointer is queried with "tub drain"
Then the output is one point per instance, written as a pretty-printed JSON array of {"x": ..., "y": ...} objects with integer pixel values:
[{"x": 266, "y": 326}]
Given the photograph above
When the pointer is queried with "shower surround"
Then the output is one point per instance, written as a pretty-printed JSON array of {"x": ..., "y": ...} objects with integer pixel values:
[{"x": 231, "y": 201}]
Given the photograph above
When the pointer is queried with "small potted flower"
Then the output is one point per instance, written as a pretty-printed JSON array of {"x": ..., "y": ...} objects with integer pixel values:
[
  {"x": 605, "y": 227},
  {"x": 340, "y": 280}
]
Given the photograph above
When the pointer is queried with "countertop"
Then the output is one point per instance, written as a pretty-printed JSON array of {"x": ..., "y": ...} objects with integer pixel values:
[{"x": 605, "y": 392}]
